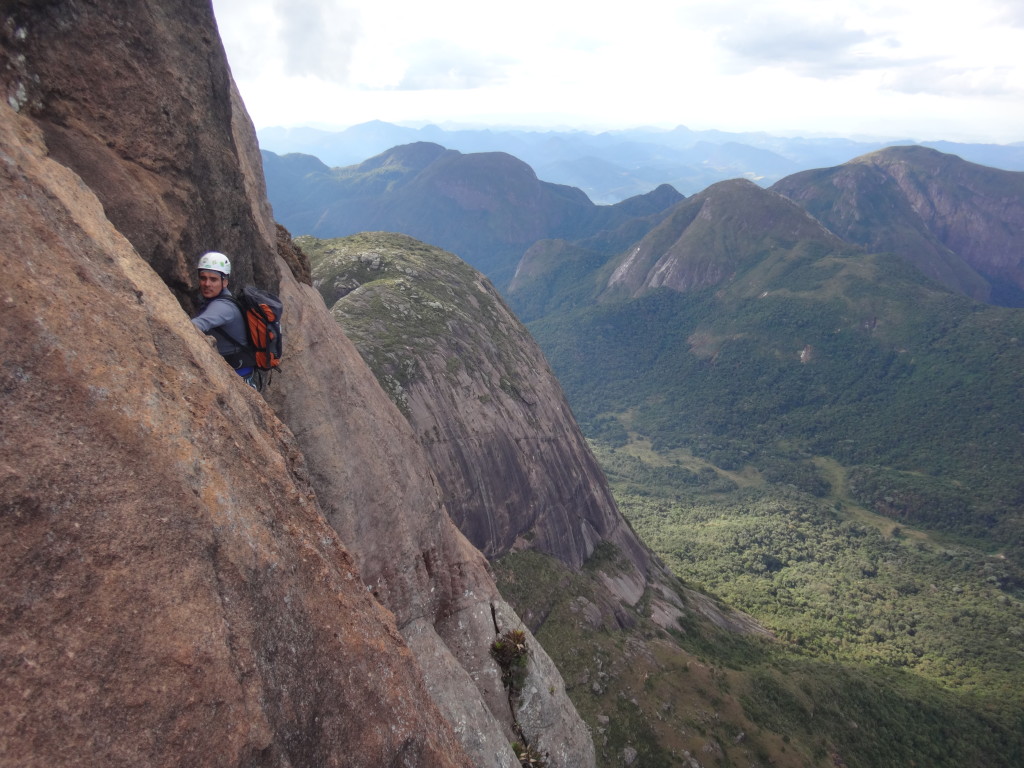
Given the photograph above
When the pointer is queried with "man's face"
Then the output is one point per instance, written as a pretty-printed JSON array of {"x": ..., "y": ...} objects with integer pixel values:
[{"x": 211, "y": 283}]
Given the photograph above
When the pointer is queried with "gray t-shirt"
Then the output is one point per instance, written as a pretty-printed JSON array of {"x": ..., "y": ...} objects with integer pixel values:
[{"x": 222, "y": 313}]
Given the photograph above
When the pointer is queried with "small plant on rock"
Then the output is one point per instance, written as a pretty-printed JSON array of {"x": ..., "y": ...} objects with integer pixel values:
[
  {"x": 510, "y": 652},
  {"x": 528, "y": 756},
  {"x": 510, "y": 648}
]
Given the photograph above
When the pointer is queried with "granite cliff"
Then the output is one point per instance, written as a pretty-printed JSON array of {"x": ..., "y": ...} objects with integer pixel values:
[
  {"x": 514, "y": 467},
  {"x": 518, "y": 477},
  {"x": 174, "y": 594},
  {"x": 191, "y": 568}
]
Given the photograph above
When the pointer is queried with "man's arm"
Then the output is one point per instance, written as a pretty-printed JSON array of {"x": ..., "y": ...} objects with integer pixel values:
[{"x": 217, "y": 313}]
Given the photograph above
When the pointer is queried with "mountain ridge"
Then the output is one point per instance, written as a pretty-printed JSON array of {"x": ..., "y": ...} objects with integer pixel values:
[
  {"x": 486, "y": 207},
  {"x": 952, "y": 219},
  {"x": 611, "y": 166},
  {"x": 710, "y": 235}
]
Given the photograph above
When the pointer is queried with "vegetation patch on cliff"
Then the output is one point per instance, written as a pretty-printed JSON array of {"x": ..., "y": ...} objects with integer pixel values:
[{"x": 402, "y": 302}]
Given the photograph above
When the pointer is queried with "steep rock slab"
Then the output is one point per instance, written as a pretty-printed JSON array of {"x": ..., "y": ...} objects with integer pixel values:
[
  {"x": 513, "y": 466},
  {"x": 380, "y": 495},
  {"x": 173, "y": 592},
  {"x": 136, "y": 97}
]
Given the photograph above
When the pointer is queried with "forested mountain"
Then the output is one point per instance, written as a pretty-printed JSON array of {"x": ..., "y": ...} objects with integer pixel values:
[
  {"x": 809, "y": 425},
  {"x": 713, "y": 237},
  {"x": 487, "y": 207},
  {"x": 957, "y": 222},
  {"x": 832, "y": 352},
  {"x": 740, "y": 318}
]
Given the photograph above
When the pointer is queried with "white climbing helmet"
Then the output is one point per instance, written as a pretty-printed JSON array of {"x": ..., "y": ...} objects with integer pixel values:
[{"x": 215, "y": 261}]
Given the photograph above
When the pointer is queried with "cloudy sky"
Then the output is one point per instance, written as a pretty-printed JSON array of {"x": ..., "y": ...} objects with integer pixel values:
[{"x": 917, "y": 69}]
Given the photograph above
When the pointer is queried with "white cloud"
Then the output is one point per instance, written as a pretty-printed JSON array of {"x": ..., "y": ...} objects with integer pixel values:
[
  {"x": 289, "y": 38},
  {"x": 317, "y": 37},
  {"x": 979, "y": 83},
  {"x": 1011, "y": 13},
  {"x": 822, "y": 49},
  {"x": 435, "y": 64},
  {"x": 906, "y": 67}
]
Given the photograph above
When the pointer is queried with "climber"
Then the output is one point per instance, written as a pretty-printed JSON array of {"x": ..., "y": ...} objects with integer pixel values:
[{"x": 220, "y": 317}]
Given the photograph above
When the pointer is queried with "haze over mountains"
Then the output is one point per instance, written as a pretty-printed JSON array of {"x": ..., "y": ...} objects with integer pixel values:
[{"x": 612, "y": 166}]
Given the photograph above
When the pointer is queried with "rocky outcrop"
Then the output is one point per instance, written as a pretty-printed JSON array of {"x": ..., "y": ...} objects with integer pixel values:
[
  {"x": 957, "y": 222},
  {"x": 136, "y": 99},
  {"x": 207, "y": 572},
  {"x": 514, "y": 468},
  {"x": 380, "y": 494},
  {"x": 512, "y": 465}
]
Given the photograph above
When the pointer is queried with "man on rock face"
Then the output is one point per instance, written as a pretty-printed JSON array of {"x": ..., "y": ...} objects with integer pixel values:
[{"x": 220, "y": 317}]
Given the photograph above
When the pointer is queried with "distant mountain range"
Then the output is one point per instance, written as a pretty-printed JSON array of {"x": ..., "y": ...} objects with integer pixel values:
[
  {"x": 615, "y": 165},
  {"x": 486, "y": 207},
  {"x": 960, "y": 223}
]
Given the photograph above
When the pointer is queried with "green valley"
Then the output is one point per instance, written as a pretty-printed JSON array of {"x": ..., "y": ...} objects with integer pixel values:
[{"x": 912, "y": 388}]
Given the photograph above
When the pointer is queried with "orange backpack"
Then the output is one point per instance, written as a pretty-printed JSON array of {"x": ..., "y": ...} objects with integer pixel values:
[{"x": 261, "y": 312}]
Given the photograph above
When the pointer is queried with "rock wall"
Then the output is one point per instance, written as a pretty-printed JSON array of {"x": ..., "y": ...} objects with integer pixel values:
[
  {"x": 380, "y": 494},
  {"x": 173, "y": 592},
  {"x": 212, "y": 569},
  {"x": 135, "y": 98}
]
